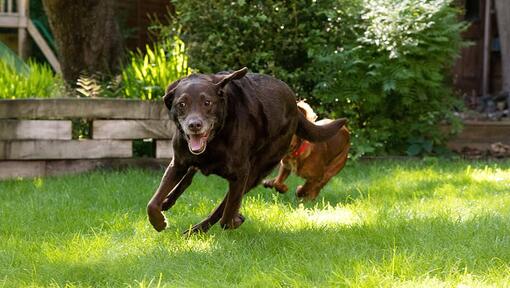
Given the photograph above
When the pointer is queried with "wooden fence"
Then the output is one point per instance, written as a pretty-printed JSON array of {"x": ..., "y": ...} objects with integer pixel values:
[
  {"x": 36, "y": 136},
  {"x": 37, "y": 139}
]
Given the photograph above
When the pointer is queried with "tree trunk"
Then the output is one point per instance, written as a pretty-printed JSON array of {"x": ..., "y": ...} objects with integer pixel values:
[
  {"x": 87, "y": 36},
  {"x": 503, "y": 16}
]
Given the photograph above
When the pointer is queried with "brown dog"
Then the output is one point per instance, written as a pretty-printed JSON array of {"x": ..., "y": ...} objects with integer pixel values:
[
  {"x": 236, "y": 125},
  {"x": 315, "y": 162}
]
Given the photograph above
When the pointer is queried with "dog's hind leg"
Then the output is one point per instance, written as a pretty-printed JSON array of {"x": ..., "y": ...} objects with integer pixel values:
[
  {"x": 311, "y": 189},
  {"x": 231, "y": 219},
  {"x": 219, "y": 211},
  {"x": 335, "y": 166},
  {"x": 209, "y": 221}
]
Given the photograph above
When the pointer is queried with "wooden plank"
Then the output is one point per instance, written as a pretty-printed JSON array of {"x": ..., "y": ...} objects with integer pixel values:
[
  {"x": 485, "y": 132},
  {"x": 43, "y": 168},
  {"x": 39, "y": 40},
  {"x": 90, "y": 108},
  {"x": 9, "y": 21},
  {"x": 458, "y": 145},
  {"x": 22, "y": 43},
  {"x": 164, "y": 149},
  {"x": 486, "y": 123},
  {"x": 35, "y": 129},
  {"x": 132, "y": 129},
  {"x": 65, "y": 149}
]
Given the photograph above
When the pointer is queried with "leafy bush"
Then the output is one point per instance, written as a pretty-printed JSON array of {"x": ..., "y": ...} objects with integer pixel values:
[
  {"x": 147, "y": 74},
  {"x": 20, "y": 80},
  {"x": 381, "y": 63},
  {"x": 391, "y": 83}
]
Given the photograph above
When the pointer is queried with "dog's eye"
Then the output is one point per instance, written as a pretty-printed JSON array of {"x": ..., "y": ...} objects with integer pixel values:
[
  {"x": 207, "y": 103},
  {"x": 181, "y": 104}
]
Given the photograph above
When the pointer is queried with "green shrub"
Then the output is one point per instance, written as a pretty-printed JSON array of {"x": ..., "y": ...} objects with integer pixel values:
[
  {"x": 269, "y": 37},
  {"x": 20, "y": 80},
  {"x": 381, "y": 63},
  {"x": 391, "y": 83},
  {"x": 147, "y": 74}
]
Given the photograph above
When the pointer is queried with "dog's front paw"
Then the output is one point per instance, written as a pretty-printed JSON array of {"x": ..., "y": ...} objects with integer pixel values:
[
  {"x": 281, "y": 188},
  {"x": 300, "y": 192},
  {"x": 156, "y": 217},
  {"x": 233, "y": 223},
  {"x": 268, "y": 183},
  {"x": 305, "y": 194}
]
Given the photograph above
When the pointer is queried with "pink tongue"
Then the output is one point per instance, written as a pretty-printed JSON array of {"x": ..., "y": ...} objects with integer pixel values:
[{"x": 195, "y": 142}]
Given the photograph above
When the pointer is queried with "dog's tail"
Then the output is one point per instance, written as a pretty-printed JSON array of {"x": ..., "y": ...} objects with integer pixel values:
[{"x": 318, "y": 133}]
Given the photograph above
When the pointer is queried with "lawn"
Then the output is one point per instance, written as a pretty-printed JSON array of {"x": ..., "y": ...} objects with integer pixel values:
[{"x": 432, "y": 223}]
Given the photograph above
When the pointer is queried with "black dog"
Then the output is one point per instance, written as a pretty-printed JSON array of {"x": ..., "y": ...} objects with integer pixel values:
[{"x": 235, "y": 125}]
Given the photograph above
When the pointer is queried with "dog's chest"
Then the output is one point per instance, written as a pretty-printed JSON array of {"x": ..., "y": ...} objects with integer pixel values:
[{"x": 216, "y": 167}]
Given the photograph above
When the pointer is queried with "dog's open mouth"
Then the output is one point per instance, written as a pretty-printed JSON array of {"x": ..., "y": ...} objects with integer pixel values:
[{"x": 197, "y": 142}]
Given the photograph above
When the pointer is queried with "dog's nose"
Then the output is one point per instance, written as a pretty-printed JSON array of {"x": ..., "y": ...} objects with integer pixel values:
[{"x": 195, "y": 125}]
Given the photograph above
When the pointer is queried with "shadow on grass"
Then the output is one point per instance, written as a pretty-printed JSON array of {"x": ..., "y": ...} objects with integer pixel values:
[
  {"x": 401, "y": 250},
  {"x": 91, "y": 230}
]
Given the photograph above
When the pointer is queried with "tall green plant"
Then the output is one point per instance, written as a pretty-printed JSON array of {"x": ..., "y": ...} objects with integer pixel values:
[
  {"x": 30, "y": 80},
  {"x": 147, "y": 74}
]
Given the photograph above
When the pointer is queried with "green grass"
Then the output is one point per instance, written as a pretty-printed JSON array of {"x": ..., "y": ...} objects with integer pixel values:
[{"x": 377, "y": 224}]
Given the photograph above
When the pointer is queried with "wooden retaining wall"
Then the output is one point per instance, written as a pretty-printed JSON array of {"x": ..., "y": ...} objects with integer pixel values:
[
  {"x": 480, "y": 135},
  {"x": 36, "y": 135}
]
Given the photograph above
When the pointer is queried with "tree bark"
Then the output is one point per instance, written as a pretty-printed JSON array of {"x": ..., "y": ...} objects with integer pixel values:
[
  {"x": 87, "y": 36},
  {"x": 503, "y": 17}
]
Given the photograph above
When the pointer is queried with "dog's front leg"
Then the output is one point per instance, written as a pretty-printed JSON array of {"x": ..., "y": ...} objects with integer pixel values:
[
  {"x": 231, "y": 218},
  {"x": 179, "y": 189},
  {"x": 278, "y": 182},
  {"x": 171, "y": 179}
]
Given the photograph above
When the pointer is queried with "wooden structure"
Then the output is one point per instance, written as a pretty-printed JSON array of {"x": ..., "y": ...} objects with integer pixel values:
[
  {"x": 477, "y": 72},
  {"x": 36, "y": 134},
  {"x": 14, "y": 14},
  {"x": 481, "y": 135}
]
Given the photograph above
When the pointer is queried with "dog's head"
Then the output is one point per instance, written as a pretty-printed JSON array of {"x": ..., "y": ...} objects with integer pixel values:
[{"x": 197, "y": 105}]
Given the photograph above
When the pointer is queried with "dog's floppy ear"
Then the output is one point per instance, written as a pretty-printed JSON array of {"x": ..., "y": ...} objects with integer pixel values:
[
  {"x": 232, "y": 76},
  {"x": 168, "y": 98},
  {"x": 307, "y": 111}
]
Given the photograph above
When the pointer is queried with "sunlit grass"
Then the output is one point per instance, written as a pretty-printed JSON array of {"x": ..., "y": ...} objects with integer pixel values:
[{"x": 377, "y": 224}]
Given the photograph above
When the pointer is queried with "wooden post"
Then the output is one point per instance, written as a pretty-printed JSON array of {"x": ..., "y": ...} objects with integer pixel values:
[
  {"x": 22, "y": 32},
  {"x": 486, "y": 48},
  {"x": 46, "y": 50},
  {"x": 503, "y": 15},
  {"x": 9, "y": 6}
]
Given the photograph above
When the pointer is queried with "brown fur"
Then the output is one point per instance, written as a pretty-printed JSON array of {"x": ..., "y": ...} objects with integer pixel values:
[
  {"x": 317, "y": 163},
  {"x": 236, "y": 125}
]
